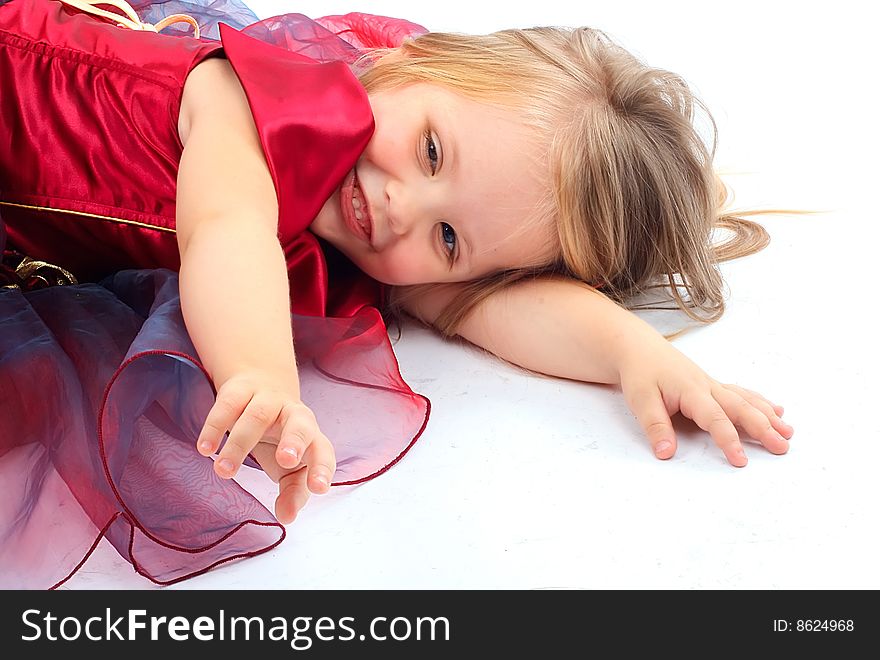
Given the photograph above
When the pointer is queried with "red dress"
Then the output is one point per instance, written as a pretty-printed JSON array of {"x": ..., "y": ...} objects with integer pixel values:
[{"x": 101, "y": 391}]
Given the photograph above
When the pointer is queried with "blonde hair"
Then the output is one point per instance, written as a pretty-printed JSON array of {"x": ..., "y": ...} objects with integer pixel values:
[{"x": 635, "y": 197}]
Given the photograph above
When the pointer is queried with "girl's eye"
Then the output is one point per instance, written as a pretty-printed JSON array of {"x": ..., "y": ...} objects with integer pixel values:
[
  {"x": 431, "y": 152},
  {"x": 449, "y": 240}
]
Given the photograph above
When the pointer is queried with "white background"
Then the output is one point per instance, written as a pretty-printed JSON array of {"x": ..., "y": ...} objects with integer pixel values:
[{"x": 526, "y": 482}]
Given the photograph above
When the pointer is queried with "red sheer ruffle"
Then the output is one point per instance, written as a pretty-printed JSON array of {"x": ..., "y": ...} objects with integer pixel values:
[{"x": 103, "y": 398}]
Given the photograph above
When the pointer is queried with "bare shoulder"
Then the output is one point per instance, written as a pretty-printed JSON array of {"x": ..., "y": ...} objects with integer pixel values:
[
  {"x": 223, "y": 172},
  {"x": 213, "y": 87}
]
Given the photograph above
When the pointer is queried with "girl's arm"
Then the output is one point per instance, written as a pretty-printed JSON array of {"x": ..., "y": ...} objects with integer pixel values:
[
  {"x": 563, "y": 328},
  {"x": 233, "y": 277},
  {"x": 234, "y": 289}
]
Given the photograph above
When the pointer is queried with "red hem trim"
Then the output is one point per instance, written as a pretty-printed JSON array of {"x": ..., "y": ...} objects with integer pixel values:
[
  {"x": 132, "y": 519},
  {"x": 135, "y": 523}
]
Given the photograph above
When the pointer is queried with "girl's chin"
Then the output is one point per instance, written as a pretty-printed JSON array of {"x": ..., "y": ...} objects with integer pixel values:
[
  {"x": 378, "y": 275},
  {"x": 370, "y": 272},
  {"x": 329, "y": 216}
]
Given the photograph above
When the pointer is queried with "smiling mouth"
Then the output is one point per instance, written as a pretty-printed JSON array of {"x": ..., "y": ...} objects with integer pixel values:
[
  {"x": 361, "y": 210},
  {"x": 355, "y": 208}
]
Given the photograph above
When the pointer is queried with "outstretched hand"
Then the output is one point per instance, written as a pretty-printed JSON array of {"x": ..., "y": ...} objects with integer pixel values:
[
  {"x": 658, "y": 380},
  {"x": 294, "y": 487},
  {"x": 265, "y": 417}
]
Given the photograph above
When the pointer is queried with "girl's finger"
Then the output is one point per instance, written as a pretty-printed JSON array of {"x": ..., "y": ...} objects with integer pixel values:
[
  {"x": 766, "y": 407},
  {"x": 264, "y": 453},
  {"x": 299, "y": 426},
  {"x": 292, "y": 496},
  {"x": 712, "y": 418},
  {"x": 745, "y": 415},
  {"x": 321, "y": 459},
  {"x": 227, "y": 408},
  {"x": 648, "y": 407},
  {"x": 777, "y": 409},
  {"x": 259, "y": 415}
]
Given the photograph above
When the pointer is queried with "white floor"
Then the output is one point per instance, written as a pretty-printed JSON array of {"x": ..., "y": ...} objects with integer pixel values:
[{"x": 524, "y": 482}]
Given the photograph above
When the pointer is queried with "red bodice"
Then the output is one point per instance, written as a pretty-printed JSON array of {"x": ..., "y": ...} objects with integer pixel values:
[{"x": 89, "y": 179}]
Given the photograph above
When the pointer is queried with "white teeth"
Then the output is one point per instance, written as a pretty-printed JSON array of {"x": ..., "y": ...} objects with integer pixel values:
[{"x": 358, "y": 204}]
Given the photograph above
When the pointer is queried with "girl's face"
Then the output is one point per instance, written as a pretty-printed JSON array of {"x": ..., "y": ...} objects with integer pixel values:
[{"x": 439, "y": 192}]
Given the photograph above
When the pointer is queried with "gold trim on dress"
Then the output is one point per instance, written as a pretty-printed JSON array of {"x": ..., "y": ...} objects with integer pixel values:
[
  {"x": 31, "y": 274},
  {"x": 31, "y": 268},
  {"x": 90, "y": 215}
]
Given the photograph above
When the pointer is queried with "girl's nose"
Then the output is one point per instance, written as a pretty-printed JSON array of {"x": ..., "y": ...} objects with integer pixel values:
[{"x": 402, "y": 208}]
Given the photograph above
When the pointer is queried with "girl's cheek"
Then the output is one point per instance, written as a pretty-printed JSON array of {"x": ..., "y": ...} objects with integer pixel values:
[{"x": 403, "y": 267}]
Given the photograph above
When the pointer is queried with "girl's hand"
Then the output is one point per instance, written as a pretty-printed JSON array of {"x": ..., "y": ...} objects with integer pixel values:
[
  {"x": 261, "y": 405},
  {"x": 658, "y": 380},
  {"x": 293, "y": 490}
]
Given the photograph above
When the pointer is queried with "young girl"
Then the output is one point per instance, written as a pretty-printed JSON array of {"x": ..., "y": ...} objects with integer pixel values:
[{"x": 512, "y": 189}]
